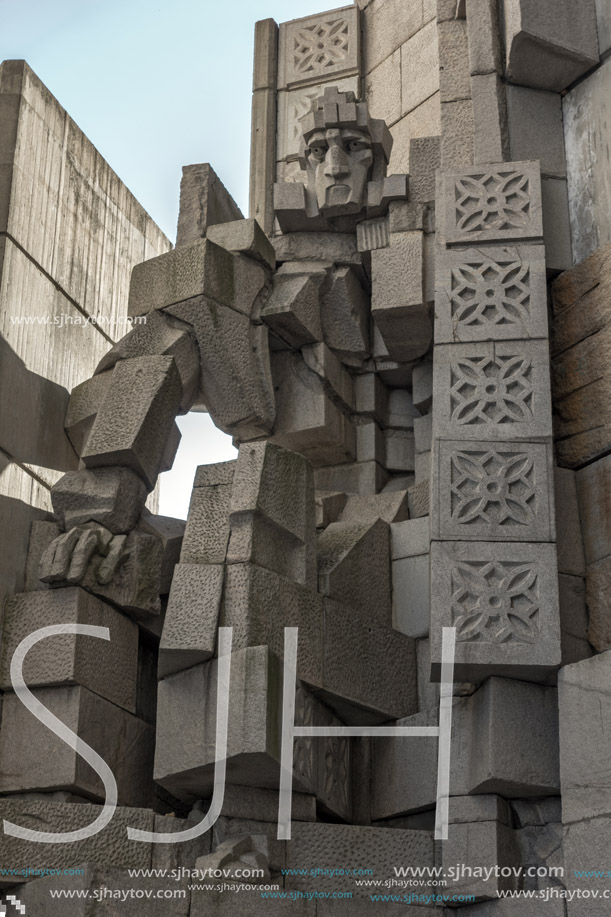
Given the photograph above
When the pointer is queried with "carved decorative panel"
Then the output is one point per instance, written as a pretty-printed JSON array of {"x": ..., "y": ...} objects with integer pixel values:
[
  {"x": 495, "y": 294},
  {"x": 494, "y": 391},
  {"x": 493, "y": 492},
  {"x": 503, "y": 601},
  {"x": 493, "y": 204},
  {"x": 319, "y": 48}
]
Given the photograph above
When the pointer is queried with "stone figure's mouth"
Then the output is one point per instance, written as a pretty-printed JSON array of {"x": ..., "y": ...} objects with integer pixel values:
[{"x": 337, "y": 193}]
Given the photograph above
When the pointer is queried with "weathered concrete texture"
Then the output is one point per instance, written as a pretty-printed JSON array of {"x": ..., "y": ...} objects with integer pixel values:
[
  {"x": 272, "y": 503},
  {"x": 419, "y": 68},
  {"x": 480, "y": 835},
  {"x": 547, "y": 47},
  {"x": 423, "y": 122},
  {"x": 454, "y": 75},
  {"x": 424, "y": 160},
  {"x": 387, "y": 24},
  {"x": 580, "y": 629},
  {"x": 207, "y": 530},
  {"x": 411, "y": 594},
  {"x": 404, "y": 771},
  {"x": 583, "y": 701},
  {"x": 114, "y": 497},
  {"x": 109, "y": 669},
  {"x": 603, "y": 14},
  {"x": 503, "y": 600},
  {"x": 307, "y": 419},
  {"x": 186, "y": 733},
  {"x": 125, "y": 742},
  {"x": 484, "y": 39},
  {"x": 598, "y": 594},
  {"x": 586, "y": 109},
  {"x": 353, "y": 566},
  {"x": 110, "y": 847},
  {"x": 580, "y": 336},
  {"x": 398, "y": 306},
  {"x": 536, "y": 128},
  {"x": 259, "y": 604},
  {"x": 491, "y": 135},
  {"x": 356, "y": 478},
  {"x": 594, "y": 495},
  {"x": 505, "y": 741},
  {"x": 292, "y": 311},
  {"x": 556, "y": 225},
  {"x": 571, "y": 558},
  {"x": 133, "y": 424},
  {"x": 191, "y": 618},
  {"x": 245, "y": 236},
  {"x": 457, "y": 130},
  {"x": 390, "y": 507},
  {"x": 340, "y": 843},
  {"x": 204, "y": 202},
  {"x": 345, "y": 316}
]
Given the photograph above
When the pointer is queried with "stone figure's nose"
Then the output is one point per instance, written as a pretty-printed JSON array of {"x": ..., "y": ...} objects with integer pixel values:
[{"x": 336, "y": 163}]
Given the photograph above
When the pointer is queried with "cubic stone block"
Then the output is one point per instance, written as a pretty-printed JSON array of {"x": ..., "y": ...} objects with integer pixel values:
[
  {"x": 307, "y": 420},
  {"x": 424, "y": 160},
  {"x": 114, "y": 497},
  {"x": 480, "y": 843},
  {"x": 259, "y": 604},
  {"x": 207, "y": 530},
  {"x": 404, "y": 770},
  {"x": 518, "y": 758},
  {"x": 484, "y": 39},
  {"x": 108, "y": 668},
  {"x": 503, "y": 601},
  {"x": 390, "y": 507},
  {"x": 198, "y": 269},
  {"x": 125, "y": 742},
  {"x": 536, "y": 129},
  {"x": 411, "y": 595},
  {"x": 245, "y": 236},
  {"x": 134, "y": 422},
  {"x": 345, "y": 316},
  {"x": 272, "y": 500},
  {"x": 369, "y": 669},
  {"x": 204, "y": 202},
  {"x": 398, "y": 296},
  {"x": 399, "y": 450},
  {"x": 557, "y": 224},
  {"x": 85, "y": 400},
  {"x": 493, "y": 492},
  {"x": 423, "y": 433},
  {"x": 192, "y": 616},
  {"x": 354, "y": 566},
  {"x": 454, "y": 72},
  {"x": 577, "y": 626},
  {"x": 110, "y": 847},
  {"x": 499, "y": 294},
  {"x": 494, "y": 204},
  {"x": 490, "y": 134},
  {"x": 409, "y": 538},
  {"x": 378, "y": 847},
  {"x": 292, "y": 311},
  {"x": 546, "y": 46},
  {"x": 500, "y": 391},
  {"x": 186, "y": 733},
  {"x": 419, "y": 68}
]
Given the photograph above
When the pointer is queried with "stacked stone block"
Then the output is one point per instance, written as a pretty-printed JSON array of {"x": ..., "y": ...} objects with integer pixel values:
[{"x": 493, "y": 462}]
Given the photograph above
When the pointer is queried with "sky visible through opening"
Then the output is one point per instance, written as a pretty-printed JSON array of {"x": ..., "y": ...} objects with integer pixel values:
[{"x": 155, "y": 86}]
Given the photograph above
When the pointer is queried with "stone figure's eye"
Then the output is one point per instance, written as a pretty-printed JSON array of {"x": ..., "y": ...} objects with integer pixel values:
[
  {"x": 354, "y": 146},
  {"x": 318, "y": 151}
]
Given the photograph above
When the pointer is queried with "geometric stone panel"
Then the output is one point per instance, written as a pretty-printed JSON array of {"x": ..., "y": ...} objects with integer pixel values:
[
  {"x": 492, "y": 204},
  {"x": 496, "y": 294},
  {"x": 493, "y": 492},
  {"x": 503, "y": 601},
  {"x": 319, "y": 48},
  {"x": 495, "y": 391}
]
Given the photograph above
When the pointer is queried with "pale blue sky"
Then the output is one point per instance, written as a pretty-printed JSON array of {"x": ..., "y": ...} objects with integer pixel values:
[{"x": 155, "y": 86}]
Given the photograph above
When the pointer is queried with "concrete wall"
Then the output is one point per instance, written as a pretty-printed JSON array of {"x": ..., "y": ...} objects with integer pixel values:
[{"x": 70, "y": 233}]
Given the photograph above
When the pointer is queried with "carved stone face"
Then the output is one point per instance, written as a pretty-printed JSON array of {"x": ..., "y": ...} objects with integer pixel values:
[{"x": 339, "y": 164}]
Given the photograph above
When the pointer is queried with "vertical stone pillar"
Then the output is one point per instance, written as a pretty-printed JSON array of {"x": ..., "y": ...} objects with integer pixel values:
[{"x": 493, "y": 557}]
